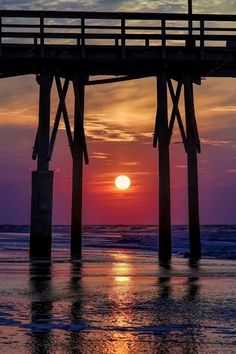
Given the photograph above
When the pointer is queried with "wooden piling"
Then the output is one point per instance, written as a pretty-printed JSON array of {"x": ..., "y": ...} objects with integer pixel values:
[
  {"x": 192, "y": 145},
  {"x": 42, "y": 179},
  {"x": 164, "y": 170},
  {"x": 77, "y": 171}
]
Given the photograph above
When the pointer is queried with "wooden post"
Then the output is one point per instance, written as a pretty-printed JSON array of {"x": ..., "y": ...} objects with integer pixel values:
[
  {"x": 190, "y": 42},
  {"x": 164, "y": 170},
  {"x": 77, "y": 173},
  {"x": 42, "y": 179},
  {"x": 192, "y": 142}
]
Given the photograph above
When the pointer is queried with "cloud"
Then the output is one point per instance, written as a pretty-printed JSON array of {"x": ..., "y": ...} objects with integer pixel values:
[
  {"x": 98, "y": 131},
  {"x": 231, "y": 170},
  {"x": 216, "y": 142},
  {"x": 181, "y": 166},
  {"x": 100, "y": 155},
  {"x": 201, "y": 6},
  {"x": 130, "y": 163},
  {"x": 224, "y": 109}
]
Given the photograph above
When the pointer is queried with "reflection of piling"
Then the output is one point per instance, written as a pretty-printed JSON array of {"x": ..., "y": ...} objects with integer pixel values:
[
  {"x": 189, "y": 134},
  {"x": 41, "y": 308},
  {"x": 76, "y": 290}
]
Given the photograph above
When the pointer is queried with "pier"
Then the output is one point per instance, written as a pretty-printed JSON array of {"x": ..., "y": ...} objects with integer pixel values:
[{"x": 71, "y": 49}]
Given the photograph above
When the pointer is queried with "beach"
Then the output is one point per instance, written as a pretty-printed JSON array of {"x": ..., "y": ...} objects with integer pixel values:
[{"x": 117, "y": 300}]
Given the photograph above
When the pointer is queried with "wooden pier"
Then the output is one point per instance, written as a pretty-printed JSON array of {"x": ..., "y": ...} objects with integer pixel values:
[{"x": 73, "y": 47}]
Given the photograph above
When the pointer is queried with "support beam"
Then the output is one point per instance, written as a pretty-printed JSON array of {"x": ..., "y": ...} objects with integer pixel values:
[
  {"x": 193, "y": 201},
  {"x": 176, "y": 113},
  {"x": 61, "y": 105},
  {"x": 164, "y": 170},
  {"x": 77, "y": 173},
  {"x": 42, "y": 179},
  {"x": 65, "y": 114}
]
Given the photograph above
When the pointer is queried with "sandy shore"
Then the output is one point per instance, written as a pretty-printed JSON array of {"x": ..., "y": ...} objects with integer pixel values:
[{"x": 117, "y": 302}]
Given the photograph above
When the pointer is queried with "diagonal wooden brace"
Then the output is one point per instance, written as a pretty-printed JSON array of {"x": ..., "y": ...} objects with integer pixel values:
[
  {"x": 65, "y": 115},
  {"x": 155, "y": 134},
  {"x": 82, "y": 138},
  {"x": 62, "y": 97},
  {"x": 35, "y": 148},
  {"x": 84, "y": 146},
  {"x": 175, "y": 98},
  {"x": 193, "y": 123},
  {"x": 176, "y": 113}
]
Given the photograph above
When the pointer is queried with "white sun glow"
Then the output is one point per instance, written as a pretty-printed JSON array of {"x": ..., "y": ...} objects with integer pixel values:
[{"x": 122, "y": 182}]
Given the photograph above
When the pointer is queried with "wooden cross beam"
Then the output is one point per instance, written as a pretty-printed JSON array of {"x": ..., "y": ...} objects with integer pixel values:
[
  {"x": 175, "y": 96},
  {"x": 35, "y": 147},
  {"x": 176, "y": 113},
  {"x": 82, "y": 138},
  {"x": 155, "y": 135},
  {"x": 193, "y": 123},
  {"x": 61, "y": 105},
  {"x": 62, "y": 110},
  {"x": 65, "y": 114}
]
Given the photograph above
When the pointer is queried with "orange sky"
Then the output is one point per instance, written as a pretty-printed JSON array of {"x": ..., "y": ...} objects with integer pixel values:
[{"x": 119, "y": 121}]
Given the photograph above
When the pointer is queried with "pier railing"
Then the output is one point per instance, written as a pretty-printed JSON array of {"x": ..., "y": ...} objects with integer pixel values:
[{"x": 116, "y": 29}]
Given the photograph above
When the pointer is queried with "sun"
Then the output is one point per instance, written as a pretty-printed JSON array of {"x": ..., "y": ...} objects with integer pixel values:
[{"x": 122, "y": 182}]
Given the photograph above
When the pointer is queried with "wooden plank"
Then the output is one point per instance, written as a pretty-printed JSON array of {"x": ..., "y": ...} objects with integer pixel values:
[
  {"x": 127, "y": 27},
  {"x": 115, "y": 79},
  {"x": 116, "y": 15},
  {"x": 114, "y": 36}
]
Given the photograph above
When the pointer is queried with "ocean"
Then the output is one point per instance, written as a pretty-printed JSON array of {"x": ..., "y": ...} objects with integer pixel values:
[{"x": 118, "y": 299}]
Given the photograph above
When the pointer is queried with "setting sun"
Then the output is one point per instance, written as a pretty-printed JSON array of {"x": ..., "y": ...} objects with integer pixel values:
[{"x": 122, "y": 182}]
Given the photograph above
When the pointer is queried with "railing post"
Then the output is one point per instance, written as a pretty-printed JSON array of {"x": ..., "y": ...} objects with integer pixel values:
[
  {"x": 163, "y": 36},
  {"x": 0, "y": 33},
  {"x": 190, "y": 42},
  {"x": 123, "y": 37},
  {"x": 190, "y": 21},
  {"x": 82, "y": 36},
  {"x": 202, "y": 41},
  {"x": 42, "y": 34}
]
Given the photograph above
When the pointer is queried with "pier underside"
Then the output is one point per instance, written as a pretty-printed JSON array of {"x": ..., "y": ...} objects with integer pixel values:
[
  {"x": 179, "y": 50},
  {"x": 107, "y": 60}
]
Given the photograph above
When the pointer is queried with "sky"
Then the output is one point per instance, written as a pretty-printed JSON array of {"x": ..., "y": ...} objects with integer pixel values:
[{"x": 119, "y": 121}]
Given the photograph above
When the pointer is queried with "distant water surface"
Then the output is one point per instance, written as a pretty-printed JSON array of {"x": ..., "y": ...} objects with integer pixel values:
[
  {"x": 118, "y": 300},
  {"x": 218, "y": 241}
]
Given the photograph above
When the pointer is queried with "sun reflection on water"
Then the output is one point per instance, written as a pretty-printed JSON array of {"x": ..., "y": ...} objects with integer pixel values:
[
  {"x": 122, "y": 298},
  {"x": 122, "y": 279}
]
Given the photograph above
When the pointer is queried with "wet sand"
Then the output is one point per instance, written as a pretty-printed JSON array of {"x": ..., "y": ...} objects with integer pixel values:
[{"x": 117, "y": 302}]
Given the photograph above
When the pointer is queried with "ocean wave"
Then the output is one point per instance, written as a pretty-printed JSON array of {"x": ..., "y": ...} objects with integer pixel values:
[{"x": 218, "y": 241}]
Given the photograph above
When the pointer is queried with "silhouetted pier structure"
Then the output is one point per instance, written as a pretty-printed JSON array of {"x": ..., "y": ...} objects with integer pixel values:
[{"x": 72, "y": 47}]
